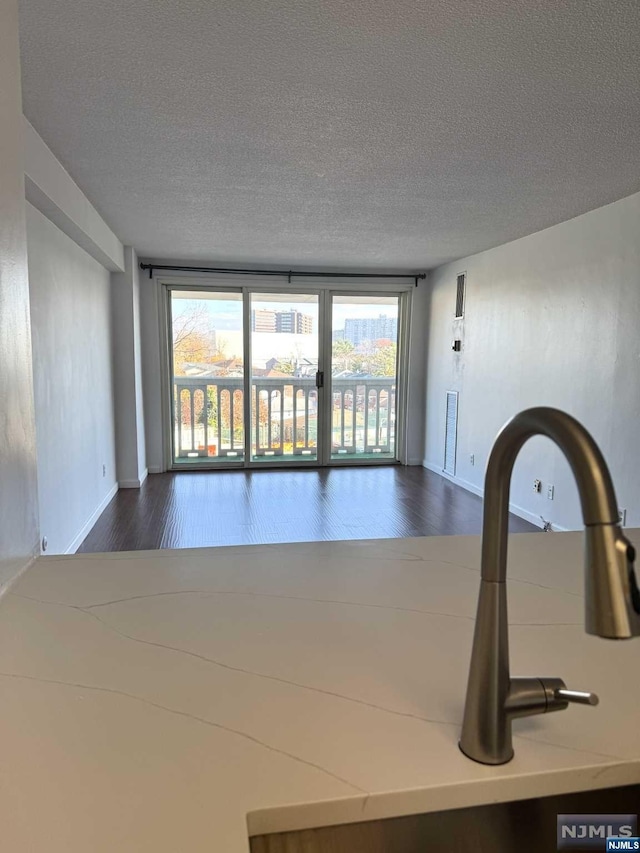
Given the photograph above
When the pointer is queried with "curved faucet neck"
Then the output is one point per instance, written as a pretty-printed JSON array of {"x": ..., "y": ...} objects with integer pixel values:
[
  {"x": 612, "y": 597},
  {"x": 595, "y": 488}
]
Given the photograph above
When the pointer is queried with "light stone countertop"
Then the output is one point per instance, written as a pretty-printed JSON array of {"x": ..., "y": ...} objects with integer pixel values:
[{"x": 183, "y": 700}]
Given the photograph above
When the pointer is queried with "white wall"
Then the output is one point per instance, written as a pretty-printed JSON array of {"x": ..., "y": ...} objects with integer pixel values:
[
  {"x": 141, "y": 440},
  {"x": 18, "y": 491},
  {"x": 551, "y": 319},
  {"x": 417, "y": 375},
  {"x": 71, "y": 331},
  {"x": 129, "y": 409},
  {"x": 151, "y": 373}
]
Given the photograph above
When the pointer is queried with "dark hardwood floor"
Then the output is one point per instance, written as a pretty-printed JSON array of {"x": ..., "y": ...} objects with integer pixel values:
[{"x": 202, "y": 508}]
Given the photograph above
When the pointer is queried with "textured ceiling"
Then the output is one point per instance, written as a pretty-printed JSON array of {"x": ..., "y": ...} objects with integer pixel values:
[{"x": 373, "y": 133}]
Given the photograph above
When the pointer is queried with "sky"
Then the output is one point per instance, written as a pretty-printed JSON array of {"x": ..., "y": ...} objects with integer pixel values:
[
  {"x": 227, "y": 314},
  {"x": 226, "y": 318}
]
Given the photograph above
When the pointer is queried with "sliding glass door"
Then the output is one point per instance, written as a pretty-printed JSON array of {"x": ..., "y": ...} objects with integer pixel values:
[
  {"x": 364, "y": 376},
  {"x": 284, "y": 377},
  {"x": 207, "y": 359},
  {"x": 247, "y": 376}
]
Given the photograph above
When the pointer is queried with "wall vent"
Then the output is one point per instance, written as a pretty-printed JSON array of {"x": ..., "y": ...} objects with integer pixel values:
[
  {"x": 460, "y": 289},
  {"x": 451, "y": 433}
]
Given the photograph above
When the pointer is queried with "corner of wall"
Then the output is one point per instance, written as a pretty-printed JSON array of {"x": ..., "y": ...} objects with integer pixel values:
[
  {"x": 52, "y": 190},
  {"x": 18, "y": 469},
  {"x": 128, "y": 375},
  {"x": 95, "y": 515}
]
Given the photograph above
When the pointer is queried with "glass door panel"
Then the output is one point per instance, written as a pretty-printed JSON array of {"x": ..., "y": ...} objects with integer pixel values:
[
  {"x": 207, "y": 381},
  {"x": 364, "y": 367},
  {"x": 284, "y": 363}
]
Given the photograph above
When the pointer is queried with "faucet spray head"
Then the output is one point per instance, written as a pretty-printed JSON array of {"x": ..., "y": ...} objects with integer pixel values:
[{"x": 612, "y": 594}]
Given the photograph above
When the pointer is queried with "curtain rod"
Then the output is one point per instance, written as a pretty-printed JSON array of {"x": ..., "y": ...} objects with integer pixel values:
[{"x": 288, "y": 273}]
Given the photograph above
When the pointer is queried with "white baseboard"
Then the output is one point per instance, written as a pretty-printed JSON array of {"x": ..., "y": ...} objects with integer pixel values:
[
  {"x": 476, "y": 490},
  {"x": 155, "y": 469},
  {"x": 95, "y": 515},
  {"x": 414, "y": 460},
  {"x": 12, "y": 570},
  {"x": 470, "y": 487},
  {"x": 134, "y": 484},
  {"x": 558, "y": 528}
]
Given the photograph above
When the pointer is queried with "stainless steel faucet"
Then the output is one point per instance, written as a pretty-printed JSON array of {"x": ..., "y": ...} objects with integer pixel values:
[{"x": 494, "y": 698}]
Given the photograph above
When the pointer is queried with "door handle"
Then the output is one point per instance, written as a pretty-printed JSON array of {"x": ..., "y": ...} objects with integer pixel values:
[{"x": 320, "y": 379}]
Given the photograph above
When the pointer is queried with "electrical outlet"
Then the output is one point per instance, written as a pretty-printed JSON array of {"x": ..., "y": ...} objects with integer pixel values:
[
  {"x": 550, "y": 492},
  {"x": 537, "y": 486},
  {"x": 472, "y": 459},
  {"x": 104, "y": 470},
  {"x": 622, "y": 517}
]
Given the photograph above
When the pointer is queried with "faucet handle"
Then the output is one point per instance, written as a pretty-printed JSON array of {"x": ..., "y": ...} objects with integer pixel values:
[
  {"x": 558, "y": 697},
  {"x": 578, "y": 697}
]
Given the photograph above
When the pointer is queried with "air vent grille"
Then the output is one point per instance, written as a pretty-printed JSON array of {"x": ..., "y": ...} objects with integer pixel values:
[
  {"x": 451, "y": 433},
  {"x": 460, "y": 288}
]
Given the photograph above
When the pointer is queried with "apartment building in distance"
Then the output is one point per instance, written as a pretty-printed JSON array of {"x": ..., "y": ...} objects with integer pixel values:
[
  {"x": 279, "y": 322},
  {"x": 362, "y": 329}
]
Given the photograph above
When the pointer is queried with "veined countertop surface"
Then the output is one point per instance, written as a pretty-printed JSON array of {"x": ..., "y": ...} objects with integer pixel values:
[{"x": 184, "y": 700}]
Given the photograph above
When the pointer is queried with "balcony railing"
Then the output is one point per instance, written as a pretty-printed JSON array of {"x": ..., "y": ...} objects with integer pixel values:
[
  {"x": 287, "y": 414},
  {"x": 209, "y": 417},
  {"x": 363, "y": 416}
]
